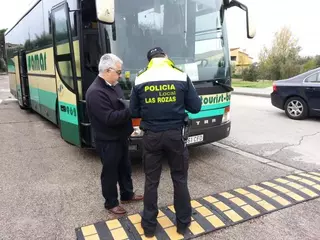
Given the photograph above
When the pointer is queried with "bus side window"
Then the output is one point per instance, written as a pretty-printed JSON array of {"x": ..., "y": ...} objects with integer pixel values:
[{"x": 63, "y": 48}]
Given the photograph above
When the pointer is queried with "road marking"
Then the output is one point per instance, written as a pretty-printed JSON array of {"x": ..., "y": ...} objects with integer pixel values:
[
  {"x": 204, "y": 211},
  {"x": 135, "y": 218},
  {"x": 211, "y": 199},
  {"x": 267, "y": 206},
  {"x": 195, "y": 204},
  {"x": 214, "y": 211},
  {"x": 315, "y": 173},
  {"x": 252, "y": 211},
  {"x": 119, "y": 234},
  {"x": 253, "y": 197},
  {"x": 113, "y": 224},
  {"x": 195, "y": 228},
  {"x": 258, "y": 158},
  {"x": 310, "y": 176},
  {"x": 165, "y": 222},
  {"x": 221, "y": 206},
  {"x": 238, "y": 201},
  {"x": 215, "y": 221},
  {"x": 89, "y": 230},
  {"x": 226, "y": 195}
]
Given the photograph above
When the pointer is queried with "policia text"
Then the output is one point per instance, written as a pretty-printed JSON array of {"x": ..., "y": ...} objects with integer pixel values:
[{"x": 167, "y": 93}]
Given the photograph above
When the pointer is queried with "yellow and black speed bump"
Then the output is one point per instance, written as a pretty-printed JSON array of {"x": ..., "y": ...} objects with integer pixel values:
[{"x": 216, "y": 211}]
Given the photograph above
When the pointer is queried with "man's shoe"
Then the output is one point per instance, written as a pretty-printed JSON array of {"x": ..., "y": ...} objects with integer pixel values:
[
  {"x": 149, "y": 234},
  {"x": 182, "y": 230},
  {"x": 118, "y": 210},
  {"x": 135, "y": 198}
]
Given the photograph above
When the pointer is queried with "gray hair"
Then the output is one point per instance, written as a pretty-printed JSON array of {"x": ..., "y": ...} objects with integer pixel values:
[{"x": 107, "y": 61}]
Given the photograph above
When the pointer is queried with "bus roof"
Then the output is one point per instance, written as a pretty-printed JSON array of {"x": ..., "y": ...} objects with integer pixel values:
[{"x": 35, "y": 4}]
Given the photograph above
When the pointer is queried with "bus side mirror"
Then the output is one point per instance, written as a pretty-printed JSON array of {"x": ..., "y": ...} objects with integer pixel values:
[
  {"x": 105, "y": 10},
  {"x": 251, "y": 30}
]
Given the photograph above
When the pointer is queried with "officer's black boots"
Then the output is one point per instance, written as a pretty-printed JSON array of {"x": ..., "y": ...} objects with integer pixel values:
[{"x": 182, "y": 230}]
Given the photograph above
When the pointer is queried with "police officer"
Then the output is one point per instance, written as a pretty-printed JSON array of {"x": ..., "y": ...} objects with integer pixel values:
[{"x": 160, "y": 96}]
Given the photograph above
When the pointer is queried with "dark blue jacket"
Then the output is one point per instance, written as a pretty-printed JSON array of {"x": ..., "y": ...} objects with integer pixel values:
[
  {"x": 160, "y": 96},
  {"x": 110, "y": 120}
]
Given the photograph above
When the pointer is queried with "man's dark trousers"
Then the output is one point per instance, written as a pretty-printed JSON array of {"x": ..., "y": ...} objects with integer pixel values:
[
  {"x": 171, "y": 145},
  {"x": 116, "y": 169}
]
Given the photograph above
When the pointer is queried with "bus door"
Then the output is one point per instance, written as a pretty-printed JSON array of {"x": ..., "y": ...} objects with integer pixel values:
[
  {"x": 90, "y": 52},
  {"x": 66, "y": 78},
  {"x": 17, "y": 80},
  {"x": 24, "y": 101}
]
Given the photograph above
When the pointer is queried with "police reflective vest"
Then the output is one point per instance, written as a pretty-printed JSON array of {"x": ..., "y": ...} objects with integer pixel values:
[{"x": 161, "y": 94}]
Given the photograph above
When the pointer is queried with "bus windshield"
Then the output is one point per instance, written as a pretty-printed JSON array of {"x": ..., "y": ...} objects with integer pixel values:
[{"x": 189, "y": 31}]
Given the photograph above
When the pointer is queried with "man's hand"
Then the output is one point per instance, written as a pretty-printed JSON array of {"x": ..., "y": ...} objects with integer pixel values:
[{"x": 126, "y": 103}]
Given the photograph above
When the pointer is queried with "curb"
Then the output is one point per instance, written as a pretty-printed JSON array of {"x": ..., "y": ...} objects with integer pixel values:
[{"x": 264, "y": 95}]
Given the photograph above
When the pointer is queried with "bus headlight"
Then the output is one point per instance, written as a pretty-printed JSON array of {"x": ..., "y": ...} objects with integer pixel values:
[{"x": 226, "y": 115}]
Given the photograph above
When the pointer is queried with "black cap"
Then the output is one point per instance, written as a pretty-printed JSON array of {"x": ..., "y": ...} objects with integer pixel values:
[{"x": 154, "y": 51}]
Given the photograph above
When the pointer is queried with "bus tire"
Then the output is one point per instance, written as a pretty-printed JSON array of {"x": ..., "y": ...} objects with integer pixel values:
[{"x": 22, "y": 106}]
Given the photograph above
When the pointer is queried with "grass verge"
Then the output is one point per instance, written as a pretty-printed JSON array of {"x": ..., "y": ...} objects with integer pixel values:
[{"x": 248, "y": 84}]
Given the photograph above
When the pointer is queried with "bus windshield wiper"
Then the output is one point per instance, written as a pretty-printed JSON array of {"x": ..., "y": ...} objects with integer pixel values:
[
  {"x": 216, "y": 81},
  {"x": 225, "y": 86}
]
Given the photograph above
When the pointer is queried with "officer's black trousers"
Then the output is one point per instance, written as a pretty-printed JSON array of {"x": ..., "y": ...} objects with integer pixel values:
[
  {"x": 116, "y": 169},
  {"x": 169, "y": 144}
]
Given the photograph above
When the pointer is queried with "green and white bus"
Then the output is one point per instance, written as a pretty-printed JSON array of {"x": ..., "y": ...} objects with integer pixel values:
[{"x": 53, "y": 53}]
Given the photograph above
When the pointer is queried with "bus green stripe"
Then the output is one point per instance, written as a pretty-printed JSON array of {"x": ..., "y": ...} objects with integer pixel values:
[
  {"x": 48, "y": 99},
  {"x": 11, "y": 65},
  {"x": 208, "y": 113},
  {"x": 43, "y": 97},
  {"x": 34, "y": 94},
  {"x": 70, "y": 132},
  {"x": 69, "y": 113},
  {"x": 46, "y": 112}
]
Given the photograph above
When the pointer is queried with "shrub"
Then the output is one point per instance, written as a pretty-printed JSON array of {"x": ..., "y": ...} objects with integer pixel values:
[{"x": 250, "y": 74}]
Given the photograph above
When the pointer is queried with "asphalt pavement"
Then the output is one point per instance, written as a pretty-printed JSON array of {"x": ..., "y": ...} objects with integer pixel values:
[
  {"x": 4, "y": 88},
  {"x": 263, "y": 130},
  {"x": 49, "y": 188}
]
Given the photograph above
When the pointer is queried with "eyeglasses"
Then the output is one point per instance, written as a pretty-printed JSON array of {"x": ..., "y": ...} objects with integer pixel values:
[{"x": 117, "y": 71}]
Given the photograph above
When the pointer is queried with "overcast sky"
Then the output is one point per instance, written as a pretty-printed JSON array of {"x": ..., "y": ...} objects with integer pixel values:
[{"x": 269, "y": 15}]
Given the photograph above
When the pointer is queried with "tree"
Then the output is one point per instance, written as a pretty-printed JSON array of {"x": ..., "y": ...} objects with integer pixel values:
[
  {"x": 317, "y": 60},
  {"x": 233, "y": 68},
  {"x": 309, "y": 65},
  {"x": 241, "y": 64},
  {"x": 281, "y": 60},
  {"x": 250, "y": 73}
]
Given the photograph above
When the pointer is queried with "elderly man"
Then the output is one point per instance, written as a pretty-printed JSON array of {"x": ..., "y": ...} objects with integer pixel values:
[{"x": 110, "y": 119}]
